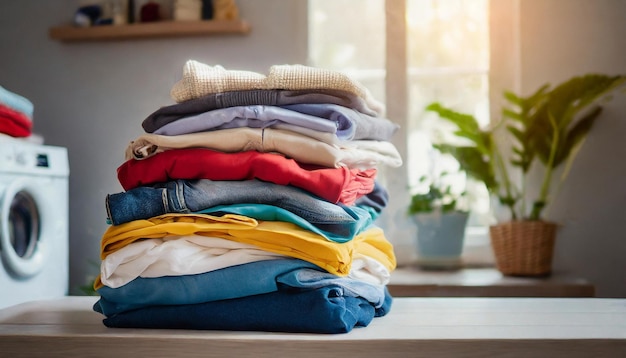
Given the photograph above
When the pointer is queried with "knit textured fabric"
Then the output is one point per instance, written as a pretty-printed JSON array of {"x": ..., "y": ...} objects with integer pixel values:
[{"x": 200, "y": 80}]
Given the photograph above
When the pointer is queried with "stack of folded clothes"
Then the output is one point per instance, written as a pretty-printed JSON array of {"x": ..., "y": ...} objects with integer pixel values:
[
  {"x": 250, "y": 205},
  {"x": 16, "y": 114}
]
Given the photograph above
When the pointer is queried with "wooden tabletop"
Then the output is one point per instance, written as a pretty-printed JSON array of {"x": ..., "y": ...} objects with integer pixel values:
[{"x": 433, "y": 327}]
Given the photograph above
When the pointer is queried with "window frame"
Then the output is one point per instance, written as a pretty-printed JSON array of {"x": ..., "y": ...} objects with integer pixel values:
[{"x": 398, "y": 227}]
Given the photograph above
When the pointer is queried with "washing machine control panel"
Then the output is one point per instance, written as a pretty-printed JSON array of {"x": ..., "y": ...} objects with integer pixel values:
[{"x": 33, "y": 159}]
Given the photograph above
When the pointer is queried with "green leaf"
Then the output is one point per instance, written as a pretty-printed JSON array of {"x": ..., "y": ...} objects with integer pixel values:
[
  {"x": 575, "y": 135},
  {"x": 507, "y": 113},
  {"x": 507, "y": 200},
  {"x": 565, "y": 104},
  {"x": 536, "y": 98},
  {"x": 466, "y": 123},
  {"x": 472, "y": 161},
  {"x": 513, "y": 98},
  {"x": 517, "y": 133}
]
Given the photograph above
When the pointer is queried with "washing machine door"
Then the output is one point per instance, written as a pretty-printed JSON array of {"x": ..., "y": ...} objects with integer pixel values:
[{"x": 22, "y": 246}]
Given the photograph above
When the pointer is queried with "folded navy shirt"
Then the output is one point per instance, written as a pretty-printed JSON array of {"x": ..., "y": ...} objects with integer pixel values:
[{"x": 320, "y": 310}]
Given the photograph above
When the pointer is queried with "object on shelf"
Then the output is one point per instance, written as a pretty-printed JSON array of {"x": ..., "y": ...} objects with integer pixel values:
[
  {"x": 150, "y": 12},
  {"x": 86, "y": 16},
  {"x": 130, "y": 11},
  {"x": 207, "y": 9},
  {"x": 187, "y": 10},
  {"x": 118, "y": 14},
  {"x": 225, "y": 10}
]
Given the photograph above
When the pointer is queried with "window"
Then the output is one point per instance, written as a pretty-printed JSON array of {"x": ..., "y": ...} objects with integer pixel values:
[
  {"x": 353, "y": 44},
  {"x": 445, "y": 58}
]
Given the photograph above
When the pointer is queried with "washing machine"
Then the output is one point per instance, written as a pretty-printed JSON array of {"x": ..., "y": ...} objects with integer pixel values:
[{"x": 34, "y": 222}]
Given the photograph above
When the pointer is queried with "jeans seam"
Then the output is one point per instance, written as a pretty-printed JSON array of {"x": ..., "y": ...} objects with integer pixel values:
[
  {"x": 180, "y": 196},
  {"x": 164, "y": 200},
  {"x": 108, "y": 209}
]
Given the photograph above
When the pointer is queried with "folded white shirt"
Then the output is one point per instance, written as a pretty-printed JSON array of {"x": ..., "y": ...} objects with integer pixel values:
[
  {"x": 195, "y": 254},
  {"x": 177, "y": 255}
]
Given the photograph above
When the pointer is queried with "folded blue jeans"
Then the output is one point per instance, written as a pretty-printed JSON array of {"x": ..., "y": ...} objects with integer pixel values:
[
  {"x": 231, "y": 282},
  {"x": 192, "y": 196},
  {"x": 376, "y": 200},
  {"x": 323, "y": 310}
]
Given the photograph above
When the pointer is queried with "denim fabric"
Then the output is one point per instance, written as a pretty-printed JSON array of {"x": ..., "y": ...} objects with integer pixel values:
[
  {"x": 251, "y": 279},
  {"x": 313, "y": 279},
  {"x": 259, "y": 117},
  {"x": 323, "y": 310},
  {"x": 365, "y": 127},
  {"x": 186, "y": 196},
  {"x": 232, "y": 282},
  {"x": 168, "y": 114},
  {"x": 376, "y": 200}
]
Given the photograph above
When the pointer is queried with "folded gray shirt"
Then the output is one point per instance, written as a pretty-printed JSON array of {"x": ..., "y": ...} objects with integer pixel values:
[{"x": 168, "y": 114}]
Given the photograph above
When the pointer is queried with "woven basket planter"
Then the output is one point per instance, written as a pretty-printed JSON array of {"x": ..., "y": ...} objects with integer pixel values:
[{"x": 523, "y": 248}]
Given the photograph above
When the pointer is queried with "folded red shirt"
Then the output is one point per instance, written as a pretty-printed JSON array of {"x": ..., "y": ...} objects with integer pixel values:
[
  {"x": 14, "y": 123},
  {"x": 332, "y": 184}
]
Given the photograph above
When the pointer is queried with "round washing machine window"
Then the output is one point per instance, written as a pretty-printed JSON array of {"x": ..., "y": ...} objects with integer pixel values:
[
  {"x": 23, "y": 224},
  {"x": 21, "y": 245}
]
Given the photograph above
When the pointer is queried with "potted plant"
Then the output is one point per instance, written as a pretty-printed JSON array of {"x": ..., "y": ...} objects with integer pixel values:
[
  {"x": 441, "y": 217},
  {"x": 543, "y": 131}
]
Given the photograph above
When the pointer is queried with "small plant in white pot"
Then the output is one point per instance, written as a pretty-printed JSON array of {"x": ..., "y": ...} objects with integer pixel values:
[{"x": 441, "y": 218}]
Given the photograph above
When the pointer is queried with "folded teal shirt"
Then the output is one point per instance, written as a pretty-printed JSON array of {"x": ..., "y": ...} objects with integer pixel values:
[{"x": 364, "y": 217}]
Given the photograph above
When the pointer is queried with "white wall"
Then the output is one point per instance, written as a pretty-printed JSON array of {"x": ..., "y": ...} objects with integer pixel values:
[
  {"x": 561, "y": 39},
  {"x": 92, "y": 97}
]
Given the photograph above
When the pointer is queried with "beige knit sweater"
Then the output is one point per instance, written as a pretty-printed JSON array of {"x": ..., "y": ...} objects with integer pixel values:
[{"x": 200, "y": 79}]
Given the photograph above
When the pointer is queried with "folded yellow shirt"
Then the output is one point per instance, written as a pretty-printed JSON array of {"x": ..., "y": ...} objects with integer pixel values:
[
  {"x": 274, "y": 236},
  {"x": 373, "y": 243}
]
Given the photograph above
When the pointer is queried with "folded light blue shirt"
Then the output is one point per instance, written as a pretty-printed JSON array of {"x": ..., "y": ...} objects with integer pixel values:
[
  {"x": 257, "y": 116},
  {"x": 345, "y": 123},
  {"x": 16, "y": 102}
]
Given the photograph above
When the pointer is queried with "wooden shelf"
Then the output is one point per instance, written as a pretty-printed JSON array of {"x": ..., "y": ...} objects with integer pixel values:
[
  {"x": 149, "y": 30},
  {"x": 483, "y": 282}
]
